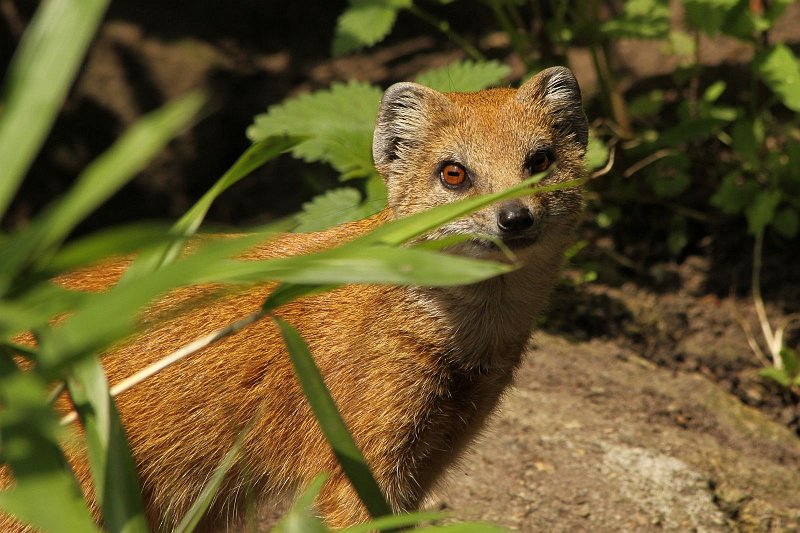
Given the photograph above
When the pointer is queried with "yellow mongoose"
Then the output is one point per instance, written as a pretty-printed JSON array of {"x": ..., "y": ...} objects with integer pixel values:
[{"x": 415, "y": 371}]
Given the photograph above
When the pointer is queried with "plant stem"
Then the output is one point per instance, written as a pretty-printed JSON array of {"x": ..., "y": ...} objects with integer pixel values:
[
  {"x": 444, "y": 27},
  {"x": 773, "y": 341}
]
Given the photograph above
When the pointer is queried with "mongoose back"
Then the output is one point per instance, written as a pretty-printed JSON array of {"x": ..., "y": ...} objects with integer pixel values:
[{"x": 415, "y": 371}]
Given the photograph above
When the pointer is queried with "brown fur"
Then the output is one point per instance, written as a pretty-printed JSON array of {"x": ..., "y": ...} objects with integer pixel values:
[{"x": 415, "y": 371}]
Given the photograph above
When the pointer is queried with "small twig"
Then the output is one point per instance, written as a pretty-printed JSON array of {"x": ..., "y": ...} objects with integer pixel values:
[
  {"x": 748, "y": 333},
  {"x": 612, "y": 145},
  {"x": 650, "y": 159},
  {"x": 55, "y": 393},
  {"x": 174, "y": 357}
]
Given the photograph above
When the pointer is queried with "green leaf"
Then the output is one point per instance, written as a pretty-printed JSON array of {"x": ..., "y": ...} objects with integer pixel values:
[
  {"x": 734, "y": 193},
  {"x": 690, "y": 130},
  {"x": 102, "y": 178},
  {"x": 596, "y": 153},
  {"x": 762, "y": 210},
  {"x": 465, "y": 76},
  {"x": 350, "y": 458},
  {"x": 46, "y": 494},
  {"x": 776, "y": 374},
  {"x": 646, "y": 105},
  {"x": 37, "y": 82},
  {"x": 337, "y": 124},
  {"x": 113, "y": 471},
  {"x": 779, "y": 68},
  {"x": 364, "y": 23},
  {"x": 714, "y": 91},
  {"x": 331, "y": 208},
  {"x": 786, "y": 223},
  {"x": 669, "y": 176},
  {"x": 641, "y": 19},
  {"x": 708, "y": 15},
  {"x": 790, "y": 361},
  {"x": 744, "y": 141}
]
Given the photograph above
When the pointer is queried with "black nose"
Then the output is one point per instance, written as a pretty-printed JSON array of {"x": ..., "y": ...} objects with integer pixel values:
[{"x": 514, "y": 218}]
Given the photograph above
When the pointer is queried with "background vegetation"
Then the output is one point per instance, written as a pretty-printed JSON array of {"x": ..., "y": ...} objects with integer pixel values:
[{"x": 694, "y": 150}]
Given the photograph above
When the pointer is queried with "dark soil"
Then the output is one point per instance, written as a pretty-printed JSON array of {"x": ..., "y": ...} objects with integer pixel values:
[{"x": 641, "y": 407}]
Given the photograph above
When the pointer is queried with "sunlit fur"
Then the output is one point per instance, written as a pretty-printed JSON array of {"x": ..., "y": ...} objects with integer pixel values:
[{"x": 415, "y": 371}]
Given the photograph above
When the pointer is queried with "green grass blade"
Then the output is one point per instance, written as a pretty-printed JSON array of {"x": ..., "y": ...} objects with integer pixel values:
[
  {"x": 113, "y": 471},
  {"x": 286, "y": 292},
  {"x": 362, "y": 264},
  {"x": 102, "y": 178},
  {"x": 467, "y": 527},
  {"x": 46, "y": 494},
  {"x": 334, "y": 428},
  {"x": 405, "y": 229},
  {"x": 255, "y": 156},
  {"x": 301, "y": 518},
  {"x": 206, "y": 496},
  {"x": 385, "y": 523},
  {"x": 39, "y": 77}
]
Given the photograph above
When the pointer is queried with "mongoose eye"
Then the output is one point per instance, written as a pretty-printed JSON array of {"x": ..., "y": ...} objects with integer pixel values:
[
  {"x": 453, "y": 175},
  {"x": 540, "y": 161}
]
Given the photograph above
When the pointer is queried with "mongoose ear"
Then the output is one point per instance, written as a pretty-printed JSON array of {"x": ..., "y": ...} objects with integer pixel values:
[
  {"x": 557, "y": 89},
  {"x": 402, "y": 119}
]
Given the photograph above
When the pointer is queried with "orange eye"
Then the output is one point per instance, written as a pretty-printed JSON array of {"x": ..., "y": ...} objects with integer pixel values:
[
  {"x": 453, "y": 175},
  {"x": 540, "y": 161}
]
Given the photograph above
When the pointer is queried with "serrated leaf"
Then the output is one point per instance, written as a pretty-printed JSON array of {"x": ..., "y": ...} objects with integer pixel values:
[
  {"x": 779, "y": 68},
  {"x": 762, "y": 210},
  {"x": 640, "y": 19},
  {"x": 364, "y": 23},
  {"x": 464, "y": 76},
  {"x": 337, "y": 125},
  {"x": 331, "y": 208}
]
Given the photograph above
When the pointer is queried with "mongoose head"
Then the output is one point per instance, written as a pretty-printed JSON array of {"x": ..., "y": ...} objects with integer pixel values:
[{"x": 433, "y": 148}]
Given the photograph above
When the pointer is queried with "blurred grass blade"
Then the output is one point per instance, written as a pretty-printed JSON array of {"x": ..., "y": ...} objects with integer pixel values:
[
  {"x": 255, "y": 156},
  {"x": 199, "y": 507},
  {"x": 119, "y": 241},
  {"x": 405, "y": 229},
  {"x": 102, "y": 178},
  {"x": 286, "y": 292},
  {"x": 46, "y": 494},
  {"x": 469, "y": 527},
  {"x": 362, "y": 264},
  {"x": 113, "y": 471},
  {"x": 385, "y": 523},
  {"x": 301, "y": 517},
  {"x": 38, "y": 79},
  {"x": 104, "y": 318},
  {"x": 334, "y": 428}
]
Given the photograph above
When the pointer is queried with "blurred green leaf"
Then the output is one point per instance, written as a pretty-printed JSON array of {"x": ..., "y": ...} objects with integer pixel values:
[
  {"x": 41, "y": 72},
  {"x": 597, "y": 153},
  {"x": 337, "y": 125},
  {"x": 350, "y": 458},
  {"x": 669, "y": 176},
  {"x": 790, "y": 361},
  {"x": 786, "y": 223},
  {"x": 116, "y": 484},
  {"x": 465, "y": 76},
  {"x": 708, "y": 15},
  {"x": 734, "y": 193},
  {"x": 743, "y": 137},
  {"x": 46, "y": 494},
  {"x": 762, "y": 210},
  {"x": 469, "y": 527},
  {"x": 331, "y": 208},
  {"x": 364, "y": 23},
  {"x": 776, "y": 374},
  {"x": 103, "y": 177},
  {"x": 714, "y": 91},
  {"x": 646, "y": 105},
  {"x": 640, "y": 19},
  {"x": 779, "y": 68},
  {"x": 385, "y": 523}
]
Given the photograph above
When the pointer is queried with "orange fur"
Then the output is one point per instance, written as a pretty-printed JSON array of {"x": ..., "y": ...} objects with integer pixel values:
[{"x": 414, "y": 371}]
